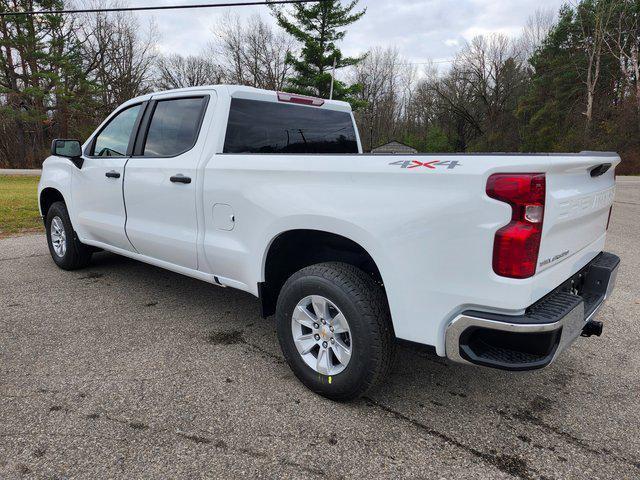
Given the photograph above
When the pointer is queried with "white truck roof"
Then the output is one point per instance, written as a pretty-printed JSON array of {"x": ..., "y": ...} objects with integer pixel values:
[{"x": 242, "y": 91}]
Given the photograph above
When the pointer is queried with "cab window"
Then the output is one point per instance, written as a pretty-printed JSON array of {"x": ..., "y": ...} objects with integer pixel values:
[
  {"x": 113, "y": 140},
  {"x": 174, "y": 127}
]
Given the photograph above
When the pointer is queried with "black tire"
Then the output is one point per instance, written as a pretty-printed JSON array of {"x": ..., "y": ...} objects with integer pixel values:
[
  {"x": 363, "y": 302},
  {"x": 76, "y": 255}
]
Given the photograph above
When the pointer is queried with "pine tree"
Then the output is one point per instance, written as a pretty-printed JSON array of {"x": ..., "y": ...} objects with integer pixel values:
[
  {"x": 553, "y": 109},
  {"x": 41, "y": 79},
  {"x": 318, "y": 27}
]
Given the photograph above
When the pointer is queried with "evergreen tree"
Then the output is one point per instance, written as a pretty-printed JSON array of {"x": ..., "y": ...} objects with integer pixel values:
[
  {"x": 553, "y": 109},
  {"x": 42, "y": 80},
  {"x": 318, "y": 27}
]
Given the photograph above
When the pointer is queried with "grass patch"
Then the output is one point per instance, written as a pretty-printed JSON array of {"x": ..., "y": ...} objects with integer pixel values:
[{"x": 19, "y": 205}]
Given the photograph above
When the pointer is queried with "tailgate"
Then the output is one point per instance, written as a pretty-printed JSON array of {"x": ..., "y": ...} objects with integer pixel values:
[{"x": 579, "y": 195}]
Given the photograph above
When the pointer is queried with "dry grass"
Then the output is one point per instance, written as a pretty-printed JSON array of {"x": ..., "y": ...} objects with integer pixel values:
[{"x": 19, "y": 205}]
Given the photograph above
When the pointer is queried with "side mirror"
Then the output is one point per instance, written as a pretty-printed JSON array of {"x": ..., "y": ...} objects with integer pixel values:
[{"x": 70, "y": 149}]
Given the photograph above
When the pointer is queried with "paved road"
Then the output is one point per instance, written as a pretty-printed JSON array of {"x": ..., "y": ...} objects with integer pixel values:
[{"x": 124, "y": 370}]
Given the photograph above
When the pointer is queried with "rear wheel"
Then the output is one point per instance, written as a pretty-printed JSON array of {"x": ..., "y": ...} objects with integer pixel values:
[
  {"x": 66, "y": 250},
  {"x": 335, "y": 330}
]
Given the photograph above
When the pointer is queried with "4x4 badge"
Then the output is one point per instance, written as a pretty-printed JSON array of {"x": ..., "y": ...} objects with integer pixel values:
[{"x": 450, "y": 164}]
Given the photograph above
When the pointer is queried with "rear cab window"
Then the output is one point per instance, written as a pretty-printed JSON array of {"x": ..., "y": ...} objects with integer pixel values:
[{"x": 256, "y": 126}]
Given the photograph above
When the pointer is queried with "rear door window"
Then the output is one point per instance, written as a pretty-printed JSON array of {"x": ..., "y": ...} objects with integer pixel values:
[
  {"x": 269, "y": 127},
  {"x": 174, "y": 127}
]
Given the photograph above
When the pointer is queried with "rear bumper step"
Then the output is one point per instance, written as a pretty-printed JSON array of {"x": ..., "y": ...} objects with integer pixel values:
[{"x": 534, "y": 339}]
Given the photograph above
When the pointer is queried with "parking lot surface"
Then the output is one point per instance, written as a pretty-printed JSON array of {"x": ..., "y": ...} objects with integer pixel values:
[{"x": 124, "y": 370}]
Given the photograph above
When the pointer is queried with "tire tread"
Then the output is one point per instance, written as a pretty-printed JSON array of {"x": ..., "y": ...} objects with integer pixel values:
[
  {"x": 78, "y": 255},
  {"x": 371, "y": 302}
]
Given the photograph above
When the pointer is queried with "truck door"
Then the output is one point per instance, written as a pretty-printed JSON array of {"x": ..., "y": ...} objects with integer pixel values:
[
  {"x": 161, "y": 180},
  {"x": 97, "y": 209}
]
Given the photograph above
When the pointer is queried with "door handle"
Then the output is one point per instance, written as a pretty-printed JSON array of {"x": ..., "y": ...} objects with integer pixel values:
[
  {"x": 179, "y": 178},
  {"x": 112, "y": 174}
]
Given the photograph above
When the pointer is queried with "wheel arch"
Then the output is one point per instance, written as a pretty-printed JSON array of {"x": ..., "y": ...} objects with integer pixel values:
[
  {"x": 55, "y": 183},
  {"x": 47, "y": 197},
  {"x": 292, "y": 250}
]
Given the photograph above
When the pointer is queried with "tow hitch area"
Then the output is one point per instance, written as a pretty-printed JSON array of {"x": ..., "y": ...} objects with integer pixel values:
[
  {"x": 592, "y": 327},
  {"x": 534, "y": 339}
]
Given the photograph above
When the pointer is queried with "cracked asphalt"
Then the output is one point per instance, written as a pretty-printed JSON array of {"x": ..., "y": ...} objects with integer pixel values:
[{"x": 123, "y": 370}]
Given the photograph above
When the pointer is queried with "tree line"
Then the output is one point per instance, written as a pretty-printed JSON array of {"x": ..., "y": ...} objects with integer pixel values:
[{"x": 569, "y": 82}]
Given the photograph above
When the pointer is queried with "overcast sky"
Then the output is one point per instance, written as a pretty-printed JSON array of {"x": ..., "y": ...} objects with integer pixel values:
[{"x": 420, "y": 29}]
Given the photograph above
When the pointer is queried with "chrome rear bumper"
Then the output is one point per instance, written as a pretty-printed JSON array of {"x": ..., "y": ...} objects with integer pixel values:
[{"x": 534, "y": 339}]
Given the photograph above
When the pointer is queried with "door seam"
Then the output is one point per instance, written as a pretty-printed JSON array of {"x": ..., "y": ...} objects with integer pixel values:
[{"x": 124, "y": 202}]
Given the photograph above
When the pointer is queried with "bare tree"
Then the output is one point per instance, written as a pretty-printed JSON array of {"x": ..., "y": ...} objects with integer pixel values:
[
  {"x": 593, "y": 27},
  {"x": 454, "y": 98},
  {"x": 623, "y": 41},
  {"x": 121, "y": 53},
  {"x": 482, "y": 89},
  {"x": 176, "y": 71},
  {"x": 387, "y": 84},
  {"x": 424, "y": 104},
  {"x": 251, "y": 52},
  {"x": 538, "y": 26}
]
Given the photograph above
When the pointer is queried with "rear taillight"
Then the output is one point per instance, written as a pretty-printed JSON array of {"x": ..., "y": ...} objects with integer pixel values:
[{"x": 516, "y": 245}]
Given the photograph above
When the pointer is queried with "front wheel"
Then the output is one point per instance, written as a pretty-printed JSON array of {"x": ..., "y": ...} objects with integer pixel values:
[
  {"x": 335, "y": 330},
  {"x": 66, "y": 250}
]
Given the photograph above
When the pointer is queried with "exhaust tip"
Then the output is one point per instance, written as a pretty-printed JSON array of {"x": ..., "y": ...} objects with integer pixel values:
[{"x": 592, "y": 327}]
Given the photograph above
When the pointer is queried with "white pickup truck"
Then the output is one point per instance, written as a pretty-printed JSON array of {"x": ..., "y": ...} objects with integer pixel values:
[{"x": 493, "y": 259}]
